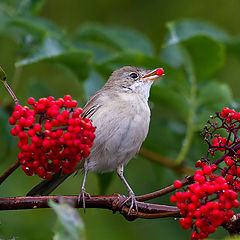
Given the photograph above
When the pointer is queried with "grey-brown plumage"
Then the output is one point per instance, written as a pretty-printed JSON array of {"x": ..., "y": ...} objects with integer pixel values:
[{"x": 121, "y": 115}]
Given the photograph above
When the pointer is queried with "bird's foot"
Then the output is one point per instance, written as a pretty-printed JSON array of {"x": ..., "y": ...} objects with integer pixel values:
[
  {"x": 133, "y": 200},
  {"x": 81, "y": 197}
]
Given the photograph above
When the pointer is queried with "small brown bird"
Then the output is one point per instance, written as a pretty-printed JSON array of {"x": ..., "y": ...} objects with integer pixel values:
[{"x": 121, "y": 115}]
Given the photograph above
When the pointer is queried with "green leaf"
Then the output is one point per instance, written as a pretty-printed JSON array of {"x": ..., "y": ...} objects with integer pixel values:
[
  {"x": 5, "y": 138},
  {"x": 4, "y": 16},
  {"x": 214, "y": 92},
  {"x": 170, "y": 99},
  {"x": 104, "y": 181},
  {"x": 93, "y": 83},
  {"x": 114, "y": 38},
  {"x": 29, "y": 6},
  {"x": 207, "y": 54},
  {"x": 185, "y": 29},
  {"x": 78, "y": 61},
  {"x": 171, "y": 55},
  {"x": 202, "y": 44},
  {"x": 37, "y": 26},
  {"x": 69, "y": 225},
  {"x": 212, "y": 97},
  {"x": 130, "y": 58}
]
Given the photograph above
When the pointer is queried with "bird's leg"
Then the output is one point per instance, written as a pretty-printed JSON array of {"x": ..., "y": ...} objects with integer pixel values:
[
  {"x": 83, "y": 192},
  {"x": 131, "y": 196}
]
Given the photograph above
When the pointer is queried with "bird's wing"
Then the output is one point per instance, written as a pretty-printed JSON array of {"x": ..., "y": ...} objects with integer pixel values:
[{"x": 93, "y": 104}]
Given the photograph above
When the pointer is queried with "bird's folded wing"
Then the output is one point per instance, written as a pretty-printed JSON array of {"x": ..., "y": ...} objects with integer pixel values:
[{"x": 91, "y": 106}]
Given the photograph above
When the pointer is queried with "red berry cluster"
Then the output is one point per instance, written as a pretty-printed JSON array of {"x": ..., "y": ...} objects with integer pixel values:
[
  {"x": 52, "y": 135},
  {"x": 207, "y": 203}
]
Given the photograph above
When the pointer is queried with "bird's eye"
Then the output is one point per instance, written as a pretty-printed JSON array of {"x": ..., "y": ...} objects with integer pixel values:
[{"x": 133, "y": 75}]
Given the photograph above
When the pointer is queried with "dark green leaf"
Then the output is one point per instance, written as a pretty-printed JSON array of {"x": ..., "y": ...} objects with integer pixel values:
[
  {"x": 201, "y": 43},
  {"x": 70, "y": 225},
  {"x": 5, "y": 138},
  {"x": 214, "y": 92},
  {"x": 207, "y": 54},
  {"x": 212, "y": 97},
  {"x": 233, "y": 47},
  {"x": 186, "y": 29},
  {"x": 93, "y": 83},
  {"x": 170, "y": 99},
  {"x": 37, "y": 26},
  {"x": 29, "y": 6},
  {"x": 104, "y": 181},
  {"x": 114, "y": 38},
  {"x": 130, "y": 58},
  {"x": 4, "y": 19},
  {"x": 171, "y": 55},
  {"x": 53, "y": 51}
]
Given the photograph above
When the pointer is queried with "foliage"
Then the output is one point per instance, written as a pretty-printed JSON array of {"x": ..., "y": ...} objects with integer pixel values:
[
  {"x": 69, "y": 225},
  {"x": 49, "y": 59}
]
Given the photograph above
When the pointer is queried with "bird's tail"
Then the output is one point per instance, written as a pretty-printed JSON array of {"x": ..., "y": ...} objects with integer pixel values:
[{"x": 46, "y": 186}]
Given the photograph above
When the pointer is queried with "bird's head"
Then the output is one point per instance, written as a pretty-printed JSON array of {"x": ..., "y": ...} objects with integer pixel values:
[{"x": 133, "y": 79}]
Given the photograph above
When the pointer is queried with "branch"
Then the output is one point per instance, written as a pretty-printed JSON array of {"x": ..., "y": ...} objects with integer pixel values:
[
  {"x": 9, "y": 171},
  {"x": 233, "y": 227},
  {"x": 112, "y": 202}
]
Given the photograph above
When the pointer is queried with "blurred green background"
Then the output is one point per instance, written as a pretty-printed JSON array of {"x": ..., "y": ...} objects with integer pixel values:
[{"x": 57, "y": 47}]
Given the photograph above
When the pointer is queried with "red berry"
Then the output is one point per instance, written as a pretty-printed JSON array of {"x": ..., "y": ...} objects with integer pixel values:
[
  {"x": 160, "y": 71},
  {"x": 51, "y": 138},
  {"x": 177, "y": 184},
  {"x": 31, "y": 101}
]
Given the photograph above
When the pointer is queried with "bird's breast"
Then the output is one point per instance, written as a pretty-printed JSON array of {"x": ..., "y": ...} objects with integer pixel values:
[{"x": 122, "y": 124}]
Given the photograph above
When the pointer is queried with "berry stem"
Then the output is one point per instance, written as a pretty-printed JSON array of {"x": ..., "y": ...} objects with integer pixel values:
[
  {"x": 9, "y": 171},
  {"x": 3, "y": 78},
  {"x": 11, "y": 92}
]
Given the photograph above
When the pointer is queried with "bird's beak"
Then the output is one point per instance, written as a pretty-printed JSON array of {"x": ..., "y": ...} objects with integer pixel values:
[{"x": 152, "y": 75}]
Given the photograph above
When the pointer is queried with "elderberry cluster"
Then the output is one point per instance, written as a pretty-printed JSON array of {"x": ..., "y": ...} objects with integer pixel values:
[
  {"x": 52, "y": 135},
  {"x": 208, "y": 202}
]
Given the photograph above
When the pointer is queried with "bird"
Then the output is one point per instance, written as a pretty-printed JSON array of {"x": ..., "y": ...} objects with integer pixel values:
[{"x": 121, "y": 115}]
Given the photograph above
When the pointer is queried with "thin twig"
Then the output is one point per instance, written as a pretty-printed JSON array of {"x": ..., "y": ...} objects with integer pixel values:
[
  {"x": 187, "y": 180},
  {"x": 9, "y": 171},
  {"x": 166, "y": 162}
]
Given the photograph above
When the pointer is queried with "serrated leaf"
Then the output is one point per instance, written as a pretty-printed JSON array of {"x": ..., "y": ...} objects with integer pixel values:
[
  {"x": 53, "y": 51},
  {"x": 70, "y": 225},
  {"x": 114, "y": 38}
]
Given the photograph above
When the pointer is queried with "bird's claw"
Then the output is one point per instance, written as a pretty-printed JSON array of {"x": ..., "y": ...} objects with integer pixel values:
[
  {"x": 133, "y": 200},
  {"x": 82, "y": 195}
]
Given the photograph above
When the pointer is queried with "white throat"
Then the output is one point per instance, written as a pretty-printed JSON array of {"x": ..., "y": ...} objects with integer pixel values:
[{"x": 142, "y": 87}]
